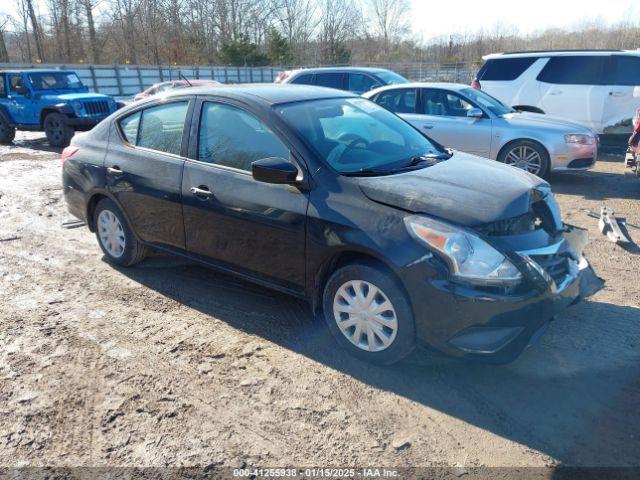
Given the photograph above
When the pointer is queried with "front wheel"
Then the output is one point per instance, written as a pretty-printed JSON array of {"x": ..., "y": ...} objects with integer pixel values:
[
  {"x": 369, "y": 314},
  {"x": 7, "y": 132},
  {"x": 526, "y": 155},
  {"x": 116, "y": 239},
  {"x": 58, "y": 132}
]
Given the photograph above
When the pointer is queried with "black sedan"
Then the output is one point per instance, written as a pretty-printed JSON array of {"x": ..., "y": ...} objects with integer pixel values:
[{"x": 394, "y": 239}]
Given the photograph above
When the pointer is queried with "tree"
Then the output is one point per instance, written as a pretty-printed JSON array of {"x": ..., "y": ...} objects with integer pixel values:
[
  {"x": 390, "y": 21},
  {"x": 279, "y": 48},
  {"x": 36, "y": 29},
  {"x": 241, "y": 52},
  {"x": 339, "y": 22},
  {"x": 4, "y": 54}
]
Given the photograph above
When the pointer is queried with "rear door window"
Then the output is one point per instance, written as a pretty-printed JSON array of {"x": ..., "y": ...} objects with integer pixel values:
[
  {"x": 330, "y": 80},
  {"x": 505, "y": 69},
  {"x": 578, "y": 70},
  {"x": 624, "y": 70},
  {"x": 15, "y": 82},
  {"x": 3, "y": 86},
  {"x": 157, "y": 128}
]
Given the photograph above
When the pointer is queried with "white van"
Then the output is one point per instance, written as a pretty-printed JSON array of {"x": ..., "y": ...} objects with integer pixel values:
[{"x": 600, "y": 89}]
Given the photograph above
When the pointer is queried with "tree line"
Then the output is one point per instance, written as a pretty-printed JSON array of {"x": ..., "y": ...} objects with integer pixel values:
[{"x": 262, "y": 32}]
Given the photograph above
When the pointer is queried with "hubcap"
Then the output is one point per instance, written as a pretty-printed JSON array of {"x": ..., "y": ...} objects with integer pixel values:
[
  {"x": 111, "y": 233},
  {"x": 365, "y": 315},
  {"x": 525, "y": 158}
]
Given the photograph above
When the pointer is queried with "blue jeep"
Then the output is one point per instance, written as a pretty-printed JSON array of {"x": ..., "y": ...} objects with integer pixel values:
[{"x": 55, "y": 101}]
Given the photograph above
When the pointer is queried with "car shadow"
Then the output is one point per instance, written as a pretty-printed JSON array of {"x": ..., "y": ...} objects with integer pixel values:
[
  {"x": 35, "y": 141},
  {"x": 597, "y": 186},
  {"x": 573, "y": 396}
]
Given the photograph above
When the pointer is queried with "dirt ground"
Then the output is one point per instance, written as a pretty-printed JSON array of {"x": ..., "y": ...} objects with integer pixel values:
[{"x": 171, "y": 364}]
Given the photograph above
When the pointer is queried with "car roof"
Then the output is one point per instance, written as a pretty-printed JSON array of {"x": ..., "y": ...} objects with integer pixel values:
[
  {"x": 269, "y": 93},
  {"x": 559, "y": 53},
  {"x": 34, "y": 70},
  {"x": 444, "y": 85},
  {"x": 339, "y": 69}
]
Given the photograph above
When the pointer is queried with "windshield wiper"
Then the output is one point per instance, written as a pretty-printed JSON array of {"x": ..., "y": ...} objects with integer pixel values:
[
  {"x": 368, "y": 171},
  {"x": 428, "y": 158}
]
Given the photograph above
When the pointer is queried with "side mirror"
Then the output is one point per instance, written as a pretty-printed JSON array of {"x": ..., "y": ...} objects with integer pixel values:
[
  {"x": 374, "y": 86},
  {"x": 274, "y": 170},
  {"x": 475, "y": 113}
]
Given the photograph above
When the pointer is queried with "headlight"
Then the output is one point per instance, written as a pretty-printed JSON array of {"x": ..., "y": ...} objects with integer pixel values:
[
  {"x": 581, "y": 138},
  {"x": 470, "y": 258},
  {"x": 77, "y": 106}
]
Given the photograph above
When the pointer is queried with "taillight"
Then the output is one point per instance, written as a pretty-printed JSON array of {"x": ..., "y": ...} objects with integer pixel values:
[
  {"x": 68, "y": 152},
  {"x": 476, "y": 84}
]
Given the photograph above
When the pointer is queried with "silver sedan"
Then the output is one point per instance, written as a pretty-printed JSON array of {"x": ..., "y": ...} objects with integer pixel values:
[{"x": 466, "y": 119}]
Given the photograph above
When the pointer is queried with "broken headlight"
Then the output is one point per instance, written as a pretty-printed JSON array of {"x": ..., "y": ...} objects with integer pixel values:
[{"x": 470, "y": 258}]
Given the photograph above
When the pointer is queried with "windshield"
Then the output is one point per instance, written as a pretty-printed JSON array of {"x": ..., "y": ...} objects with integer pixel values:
[
  {"x": 494, "y": 105},
  {"x": 391, "y": 78},
  {"x": 354, "y": 135},
  {"x": 55, "y": 81}
]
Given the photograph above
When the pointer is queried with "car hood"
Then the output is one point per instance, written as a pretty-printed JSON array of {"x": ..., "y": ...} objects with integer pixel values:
[
  {"x": 69, "y": 97},
  {"x": 539, "y": 120},
  {"x": 465, "y": 189}
]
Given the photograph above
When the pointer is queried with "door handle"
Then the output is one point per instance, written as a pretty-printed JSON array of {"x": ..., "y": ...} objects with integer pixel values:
[
  {"x": 616, "y": 94},
  {"x": 202, "y": 192},
  {"x": 555, "y": 92},
  {"x": 427, "y": 126},
  {"x": 115, "y": 170}
]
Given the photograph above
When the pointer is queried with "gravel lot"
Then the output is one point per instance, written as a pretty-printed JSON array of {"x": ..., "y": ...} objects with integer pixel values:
[{"x": 171, "y": 364}]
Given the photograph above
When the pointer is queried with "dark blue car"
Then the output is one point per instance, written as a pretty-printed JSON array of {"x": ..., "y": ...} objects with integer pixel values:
[{"x": 53, "y": 101}]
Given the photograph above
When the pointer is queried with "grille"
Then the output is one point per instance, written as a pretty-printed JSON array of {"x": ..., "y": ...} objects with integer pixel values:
[
  {"x": 557, "y": 265},
  {"x": 96, "y": 107}
]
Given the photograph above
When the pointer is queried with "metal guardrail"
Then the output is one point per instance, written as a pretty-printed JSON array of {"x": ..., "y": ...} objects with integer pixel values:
[{"x": 127, "y": 80}]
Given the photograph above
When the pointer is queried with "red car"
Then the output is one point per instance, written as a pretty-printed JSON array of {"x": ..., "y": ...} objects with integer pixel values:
[{"x": 164, "y": 86}]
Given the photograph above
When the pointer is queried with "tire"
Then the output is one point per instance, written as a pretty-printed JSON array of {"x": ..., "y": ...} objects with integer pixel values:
[
  {"x": 117, "y": 241},
  {"x": 510, "y": 155},
  {"x": 7, "y": 132},
  {"x": 58, "y": 132},
  {"x": 343, "y": 282}
]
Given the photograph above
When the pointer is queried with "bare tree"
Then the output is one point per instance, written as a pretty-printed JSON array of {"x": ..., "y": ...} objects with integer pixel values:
[
  {"x": 88, "y": 6},
  {"x": 36, "y": 29},
  {"x": 4, "y": 54},
  {"x": 390, "y": 20},
  {"x": 339, "y": 22}
]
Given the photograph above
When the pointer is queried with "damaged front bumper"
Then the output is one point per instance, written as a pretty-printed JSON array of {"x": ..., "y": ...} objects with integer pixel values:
[{"x": 497, "y": 325}]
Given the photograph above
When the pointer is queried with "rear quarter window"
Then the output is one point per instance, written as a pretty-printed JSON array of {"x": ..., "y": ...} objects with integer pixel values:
[
  {"x": 505, "y": 69},
  {"x": 306, "y": 79},
  {"x": 578, "y": 70},
  {"x": 624, "y": 70}
]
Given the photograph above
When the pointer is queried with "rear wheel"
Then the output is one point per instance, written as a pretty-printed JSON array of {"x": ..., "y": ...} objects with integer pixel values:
[
  {"x": 7, "y": 132},
  {"x": 58, "y": 132},
  {"x": 116, "y": 239},
  {"x": 526, "y": 155},
  {"x": 369, "y": 314}
]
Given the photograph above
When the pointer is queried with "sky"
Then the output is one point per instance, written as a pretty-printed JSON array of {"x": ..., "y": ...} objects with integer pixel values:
[{"x": 435, "y": 18}]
